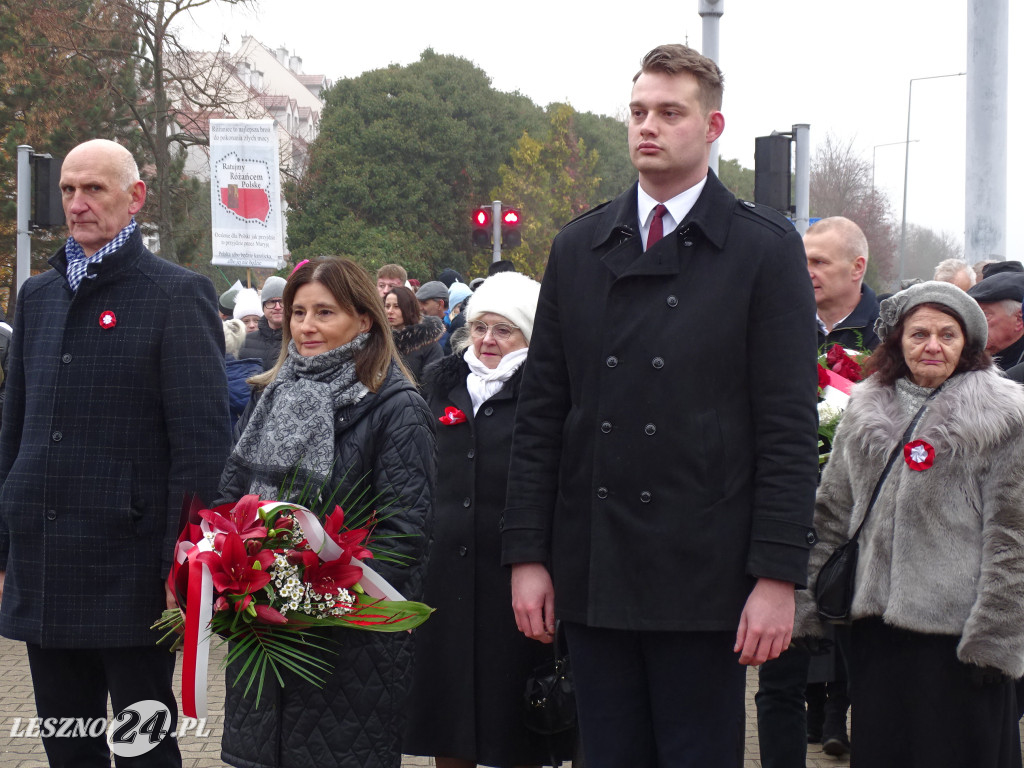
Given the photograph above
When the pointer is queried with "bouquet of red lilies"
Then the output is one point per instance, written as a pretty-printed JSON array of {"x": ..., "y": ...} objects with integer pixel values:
[{"x": 261, "y": 575}]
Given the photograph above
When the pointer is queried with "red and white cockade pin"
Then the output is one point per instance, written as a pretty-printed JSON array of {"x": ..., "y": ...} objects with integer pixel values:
[
  {"x": 919, "y": 455},
  {"x": 452, "y": 415},
  {"x": 107, "y": 319}
]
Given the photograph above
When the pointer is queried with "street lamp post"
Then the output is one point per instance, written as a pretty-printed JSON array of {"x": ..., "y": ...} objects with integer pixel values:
[
  {"x": 890, "y": 144},
  {"x": 906, "y": 165}
]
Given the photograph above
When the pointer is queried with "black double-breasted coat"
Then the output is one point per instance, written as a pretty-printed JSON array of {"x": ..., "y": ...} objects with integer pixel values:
[
  {"x": 471, "y": 661},
  {"x": 106, "y": 428},
  {"x": 665, "y": 443}
]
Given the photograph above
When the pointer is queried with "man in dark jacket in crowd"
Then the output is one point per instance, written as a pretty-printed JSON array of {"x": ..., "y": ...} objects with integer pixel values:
[
  {"x": 264, "y": 343},
  {"x": 116, "y": 411},
  {"x": 837, "y": 257},
  {"x": 661, "y": 491},
  {"x": 999, "y": 297}
]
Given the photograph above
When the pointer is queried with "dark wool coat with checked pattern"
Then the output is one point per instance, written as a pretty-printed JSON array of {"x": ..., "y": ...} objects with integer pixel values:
[{"x": 104, "y": 432}]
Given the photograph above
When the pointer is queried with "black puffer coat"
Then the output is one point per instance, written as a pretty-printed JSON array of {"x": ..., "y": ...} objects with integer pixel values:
[
  {"x": 418, "y": 344},
  {"x": 384, "y": 443},
  {"x": 471, "y": 661},
  {"x": 264, "y": 343}
]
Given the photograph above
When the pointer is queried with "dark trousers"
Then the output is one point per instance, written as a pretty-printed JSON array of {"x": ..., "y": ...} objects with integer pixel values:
[
  {"x": 658, "y": 699},
  {"x": 781, "y": 715},
  {"x": 74, "y": 683}
]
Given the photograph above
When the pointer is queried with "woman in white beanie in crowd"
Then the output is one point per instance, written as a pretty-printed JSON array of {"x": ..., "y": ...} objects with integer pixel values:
[
  {"x": 248, "y": 308},
  {"x": 471, "y": 662}
]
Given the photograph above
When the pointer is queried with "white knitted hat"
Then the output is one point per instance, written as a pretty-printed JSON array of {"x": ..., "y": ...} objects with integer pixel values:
[
  {"x": 247, "y": 302},
  {"x": 509, "y": 294}
]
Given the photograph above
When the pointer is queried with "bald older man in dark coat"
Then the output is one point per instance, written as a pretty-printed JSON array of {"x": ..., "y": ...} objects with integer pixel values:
[{"x": 116, "y": 409}]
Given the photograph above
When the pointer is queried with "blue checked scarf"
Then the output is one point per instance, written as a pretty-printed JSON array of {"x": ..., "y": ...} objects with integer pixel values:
[{"x": 78, "y": 262}]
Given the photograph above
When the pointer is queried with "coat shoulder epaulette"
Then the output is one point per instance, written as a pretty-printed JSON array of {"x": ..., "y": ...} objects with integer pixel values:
[{"x": 764, "y": 215}]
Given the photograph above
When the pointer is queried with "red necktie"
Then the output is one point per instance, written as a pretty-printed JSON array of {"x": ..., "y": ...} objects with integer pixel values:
[{"x": 657, "y": 231}]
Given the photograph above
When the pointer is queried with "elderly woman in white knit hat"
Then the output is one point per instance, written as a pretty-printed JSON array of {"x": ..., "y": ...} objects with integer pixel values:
[
  {"x": 248, "y": 309},
  {"x": 471, "y": 662},
  {"x": 927, "y": 478}
]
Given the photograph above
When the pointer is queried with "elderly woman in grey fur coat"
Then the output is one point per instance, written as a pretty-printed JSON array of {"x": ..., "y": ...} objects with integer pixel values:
[{"x": 938, "y": 607}]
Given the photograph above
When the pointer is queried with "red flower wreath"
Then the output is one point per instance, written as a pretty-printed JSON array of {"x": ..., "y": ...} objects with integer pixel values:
[
  {"x": 452, "y": 415},
  {"x": 107, "y": 319},
  {"x": 919, "y": 455}
]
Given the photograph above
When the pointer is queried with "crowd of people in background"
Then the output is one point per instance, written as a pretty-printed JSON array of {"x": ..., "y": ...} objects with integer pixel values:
[{"x": 628, "y": 446}]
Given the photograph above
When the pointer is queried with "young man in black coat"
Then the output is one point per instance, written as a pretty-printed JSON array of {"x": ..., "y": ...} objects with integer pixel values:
[
  {"x": 664, "y": 462},
  {"x": 116, "y": 410}
]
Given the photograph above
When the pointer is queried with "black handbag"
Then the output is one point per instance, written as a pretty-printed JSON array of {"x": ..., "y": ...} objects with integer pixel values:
[
  {"x": 549, "y": 701},
  {"x": 833, "y": 591}
]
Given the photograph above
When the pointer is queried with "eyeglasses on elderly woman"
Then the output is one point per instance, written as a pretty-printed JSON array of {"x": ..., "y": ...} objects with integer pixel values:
[{"x": 499, "y": 331}]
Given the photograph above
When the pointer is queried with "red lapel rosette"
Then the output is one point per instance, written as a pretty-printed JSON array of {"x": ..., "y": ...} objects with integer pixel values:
[
  {"x": 919, "y": 455},
  {"x": 107, "y": 319},
  {"x": 452, "y": 415}
]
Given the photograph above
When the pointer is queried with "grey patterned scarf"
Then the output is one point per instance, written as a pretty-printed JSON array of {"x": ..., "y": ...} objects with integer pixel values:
[{"x": 291, "y": 431}]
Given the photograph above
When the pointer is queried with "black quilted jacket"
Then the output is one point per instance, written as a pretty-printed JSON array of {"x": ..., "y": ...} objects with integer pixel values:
[{"x": 384, "y": 443}]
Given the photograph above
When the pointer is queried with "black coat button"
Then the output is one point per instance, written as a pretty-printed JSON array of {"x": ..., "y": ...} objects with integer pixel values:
[
  {"x": 658, "y": 362},
  {"x": 606, "y": 427},
  {"x": 57, "y": 437},
  {"x": 687, "y": 243},
  {"x": 812, "y": 537},
  {"x": 488, "y": 411},
  {"x": 51, "y": 514},
  {"x": 650, "y": 429},
  {"x": 467, "y": 502},
  {"x": 612, "y": 361},
  {"x": 672, "y": 301},
  {"x": 462, "y": 551},
  {"x": 645, "y": 497},
  {"x": 602, "y": 493},
  {"x": 470, "y": 453},
  {"x": 65, "y": 358}
]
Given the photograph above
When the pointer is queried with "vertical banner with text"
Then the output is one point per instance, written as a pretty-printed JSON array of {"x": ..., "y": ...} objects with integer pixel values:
[{"x": 245, "y": 194}]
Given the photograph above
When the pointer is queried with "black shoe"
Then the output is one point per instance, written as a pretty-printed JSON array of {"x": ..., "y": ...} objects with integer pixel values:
[
  {"x": 813, "y": 737},
  {"x": 836, "y": 746}
]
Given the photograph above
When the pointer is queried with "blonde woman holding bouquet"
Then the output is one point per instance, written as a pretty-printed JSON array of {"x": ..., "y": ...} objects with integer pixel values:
[{"x": 338, "y": 413}]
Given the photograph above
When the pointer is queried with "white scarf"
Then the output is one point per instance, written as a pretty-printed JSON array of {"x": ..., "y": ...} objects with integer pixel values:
[{"x": 483, "y": 382}]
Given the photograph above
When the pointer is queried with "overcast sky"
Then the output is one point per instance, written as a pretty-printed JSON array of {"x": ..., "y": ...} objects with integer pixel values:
[{"x": 842, "y": 67}]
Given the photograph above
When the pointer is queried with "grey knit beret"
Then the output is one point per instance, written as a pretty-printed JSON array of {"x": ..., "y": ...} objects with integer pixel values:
[{"x": 897, "y": 306}]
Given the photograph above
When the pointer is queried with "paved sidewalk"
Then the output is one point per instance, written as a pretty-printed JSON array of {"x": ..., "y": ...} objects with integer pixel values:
[{"x": 204, "y": 752}]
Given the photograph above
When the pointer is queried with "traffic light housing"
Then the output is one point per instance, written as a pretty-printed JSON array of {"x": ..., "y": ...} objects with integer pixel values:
[
  {"x": 771, "y": 171},
  {"x": 510, "y": 235},
  {"x": 482, "y": 228}
]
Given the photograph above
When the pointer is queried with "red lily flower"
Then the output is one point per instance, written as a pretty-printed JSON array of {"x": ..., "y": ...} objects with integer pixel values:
[
  {"x": 325, "y": 579},
  {"x": 349, "y": 541},
  {"x": 232, "y": 568},
  {"x": 270, "y": 615},
  {"x": 241, "y": 518}
]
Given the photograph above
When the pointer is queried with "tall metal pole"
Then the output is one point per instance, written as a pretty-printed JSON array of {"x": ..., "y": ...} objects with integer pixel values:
[
  {"x": 987, "y": 96},
  {"x": 710, "y": 12},
  {"x": 906, "y": 166},
  {"x": 24, "y": 240},
  {"x": 802, "y": 197}
]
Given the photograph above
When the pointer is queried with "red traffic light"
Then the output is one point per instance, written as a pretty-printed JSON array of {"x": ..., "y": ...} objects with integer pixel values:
[
  {"x": 510, "y": 217},
  {"x": 481, "y": 217}
]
